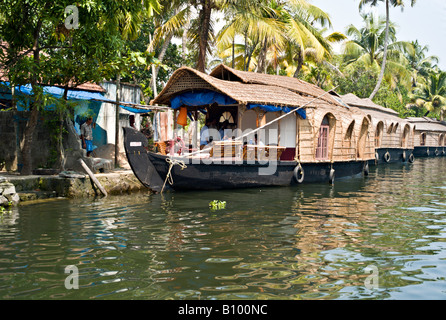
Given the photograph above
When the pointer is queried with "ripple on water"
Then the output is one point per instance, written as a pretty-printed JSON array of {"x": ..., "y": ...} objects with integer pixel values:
[{"x": 304, "y": 242}]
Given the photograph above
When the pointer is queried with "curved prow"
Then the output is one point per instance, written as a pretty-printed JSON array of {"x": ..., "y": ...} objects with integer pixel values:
[{"x": 135, "y": 144}]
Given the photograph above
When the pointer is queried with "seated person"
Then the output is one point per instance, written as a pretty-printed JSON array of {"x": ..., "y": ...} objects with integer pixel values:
[
  {"x": 257, "y": 141},
  {"x": 209, "y": 133},
  {"x": 225, "y": 130}
]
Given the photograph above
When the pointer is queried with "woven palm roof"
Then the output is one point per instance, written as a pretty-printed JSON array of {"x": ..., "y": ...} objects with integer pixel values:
[
  {"x": 353, "y": 100},
  {"x": 188, "y": 79},
  {"x": 427, "y": 124},
  {"x": 296, "y": 85}
]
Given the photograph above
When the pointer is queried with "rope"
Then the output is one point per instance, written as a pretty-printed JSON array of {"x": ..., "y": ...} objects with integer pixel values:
[{"x": 169, "y": 176}]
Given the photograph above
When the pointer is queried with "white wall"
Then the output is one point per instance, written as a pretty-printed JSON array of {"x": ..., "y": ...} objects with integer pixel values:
[{"x": 107, "y": 113}]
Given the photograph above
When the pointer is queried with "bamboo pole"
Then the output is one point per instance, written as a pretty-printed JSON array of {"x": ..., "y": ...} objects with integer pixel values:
[{"x": 95, "y": 180}]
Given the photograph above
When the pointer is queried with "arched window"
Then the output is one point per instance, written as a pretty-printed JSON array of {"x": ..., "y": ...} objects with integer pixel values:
[
  {"x": 405, "y": 137},
  {"x": 423, "y": 139},
  {"x": 378, "y": 134},
  {"x": 322, "y": 142},
  {"x": 349, "y": 146},
  {"x": 389, "y": 130},
  {"x": 363, "y": 138}
]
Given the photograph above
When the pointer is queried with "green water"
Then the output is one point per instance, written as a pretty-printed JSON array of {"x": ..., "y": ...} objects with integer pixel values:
[{"x": 305, "y": 242}]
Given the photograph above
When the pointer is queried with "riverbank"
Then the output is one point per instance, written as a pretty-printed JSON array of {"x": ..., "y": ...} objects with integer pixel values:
[{"x": 70, "y": 184}]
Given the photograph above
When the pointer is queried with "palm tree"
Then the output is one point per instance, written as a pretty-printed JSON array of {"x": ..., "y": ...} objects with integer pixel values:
[
  {"x": 172, "y": 20},
  {"x": 430, "y": 94},
  {"x": 368, "y": 47},
  {"x": 258, "y": 24},
  {"x": 419, "y": 63},
  {"x": 273, "y": 29},
  {"x": 395, "y": 3}
]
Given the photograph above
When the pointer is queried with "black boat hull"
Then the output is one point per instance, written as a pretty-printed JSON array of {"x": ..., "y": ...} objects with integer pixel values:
[
  {"x": 429, "y": 151},
  {"x": 152, "y": 170},
  {"x": 215, "y": 175},
  {"x": 393, "y": 155}
]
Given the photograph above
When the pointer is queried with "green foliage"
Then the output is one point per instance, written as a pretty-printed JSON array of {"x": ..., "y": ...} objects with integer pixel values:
[
  {"x": 359, "y": 81},
  {"x": 217, "y": 205},
  {"x": 395, "y": 99},
  {"x": 139, "y": 71},
  {"x": 39, "y": 49}
]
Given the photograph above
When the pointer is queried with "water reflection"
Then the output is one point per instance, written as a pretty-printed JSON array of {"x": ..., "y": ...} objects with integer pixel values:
[{"x": 309, "y": 242}]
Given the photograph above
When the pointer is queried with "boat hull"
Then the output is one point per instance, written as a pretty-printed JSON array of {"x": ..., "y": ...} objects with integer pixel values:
[
  {"x": 160, "y": 173},
  {"x": 392, "y": 155},
  {"x": 215, "y": 175},
  {"x": 429, "y": 151}
]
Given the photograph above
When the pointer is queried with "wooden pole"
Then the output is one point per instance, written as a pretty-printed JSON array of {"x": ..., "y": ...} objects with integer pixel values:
[
  {"x": 118, "y": 89},
  {"x": 95, "y": 180}
]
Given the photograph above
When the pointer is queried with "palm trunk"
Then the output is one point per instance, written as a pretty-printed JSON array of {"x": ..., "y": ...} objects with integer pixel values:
[
  {"x": 233, "y": 52},
  {"x": 300, "y": 62},
  {"x": 386, "y": 42},
  {"x": 161, "y": 58},
  {"x": 262, "y": 58},
  {"x": 205, "y": 15},
  {"x": 246, "y": 51},
  {"x": 184, "y": 42}
]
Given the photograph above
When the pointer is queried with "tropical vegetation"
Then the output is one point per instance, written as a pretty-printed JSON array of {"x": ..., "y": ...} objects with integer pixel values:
[{"x": 144, "y": 41}]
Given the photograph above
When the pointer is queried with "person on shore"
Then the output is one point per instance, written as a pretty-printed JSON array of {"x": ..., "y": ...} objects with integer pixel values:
[{"x": 87, "y": 135}]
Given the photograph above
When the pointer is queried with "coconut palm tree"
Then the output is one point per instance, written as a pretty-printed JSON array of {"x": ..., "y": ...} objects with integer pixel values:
[
  {"x": 272, "y": 29},
  {"x": 368, "y": 47},
  {"x": 419, "y": 63},
  {"x": 395, "y": 3},
  {"x": 430, "y": 94},
  {"x": 172, "y": 20},
  {"x": 257, "y": 24}
]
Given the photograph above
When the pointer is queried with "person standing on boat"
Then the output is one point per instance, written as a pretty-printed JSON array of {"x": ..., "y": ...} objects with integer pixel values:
[{"x": 87, "y": 135}]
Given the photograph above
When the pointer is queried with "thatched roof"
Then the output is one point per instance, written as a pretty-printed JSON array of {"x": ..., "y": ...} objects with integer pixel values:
[
  {"x": 188, "y": 79},
  {"x": 296, "y": 85},
  {"x": 366, "y": 103},
  {"x": 427, "y": 124},
  {"x": 376, "y": 112}
]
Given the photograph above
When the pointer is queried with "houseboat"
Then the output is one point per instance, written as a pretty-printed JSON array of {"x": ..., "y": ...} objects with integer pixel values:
[
  {"x": 276, "y": 131},
  {"x": 393, "y": 136},
  {"x": 430, "y": 137}
]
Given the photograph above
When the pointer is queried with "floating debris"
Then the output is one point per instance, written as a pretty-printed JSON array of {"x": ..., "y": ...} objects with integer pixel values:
[{"x": 217, "y": 205}]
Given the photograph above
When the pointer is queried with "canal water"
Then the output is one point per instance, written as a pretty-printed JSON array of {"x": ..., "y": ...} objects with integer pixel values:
[{"x": 379, "y": 237}]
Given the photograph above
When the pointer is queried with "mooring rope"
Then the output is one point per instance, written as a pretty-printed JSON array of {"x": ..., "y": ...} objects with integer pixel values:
[{"x": 169, "y": 176}]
